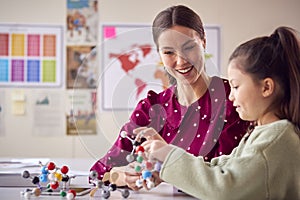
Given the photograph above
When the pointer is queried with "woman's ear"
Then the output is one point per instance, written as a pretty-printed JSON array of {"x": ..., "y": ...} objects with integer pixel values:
[
  {"x": 204, "y": 43},
  {"x": 268, "y": 87}
]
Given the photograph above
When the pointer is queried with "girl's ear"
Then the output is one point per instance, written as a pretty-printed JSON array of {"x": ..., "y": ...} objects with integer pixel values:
[{"x": 268, "y": 87}]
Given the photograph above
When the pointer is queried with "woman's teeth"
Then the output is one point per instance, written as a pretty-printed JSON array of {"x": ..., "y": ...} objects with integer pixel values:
[{"x": 183, "y": 71}]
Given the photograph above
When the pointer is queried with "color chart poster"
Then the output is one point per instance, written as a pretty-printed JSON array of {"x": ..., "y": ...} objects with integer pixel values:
[{"x": 31, "y": 55}]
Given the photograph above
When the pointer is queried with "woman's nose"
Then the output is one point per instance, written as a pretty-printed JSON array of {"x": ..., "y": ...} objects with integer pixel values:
[{"x": 180, "y": 59}]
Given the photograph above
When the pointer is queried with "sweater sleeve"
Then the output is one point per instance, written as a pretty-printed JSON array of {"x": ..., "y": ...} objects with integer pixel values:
[
  {"x": 225, "y": 177},
  {"x": 116, "y": 155}
]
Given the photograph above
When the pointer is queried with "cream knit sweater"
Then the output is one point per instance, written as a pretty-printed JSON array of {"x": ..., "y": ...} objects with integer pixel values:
[{"x": 264, "y": 166}]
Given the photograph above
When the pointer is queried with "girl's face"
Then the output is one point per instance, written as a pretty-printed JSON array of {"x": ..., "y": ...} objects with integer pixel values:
[
  {"x": 182, "y": 53},
  {"x": 247, "y": 95}
]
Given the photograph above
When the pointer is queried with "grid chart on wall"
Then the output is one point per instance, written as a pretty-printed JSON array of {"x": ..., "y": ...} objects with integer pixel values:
[{"x": 31, "y": 55}]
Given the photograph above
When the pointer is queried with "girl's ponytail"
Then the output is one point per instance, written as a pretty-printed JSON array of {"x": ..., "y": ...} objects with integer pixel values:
[{"x": 290, "y": 40}]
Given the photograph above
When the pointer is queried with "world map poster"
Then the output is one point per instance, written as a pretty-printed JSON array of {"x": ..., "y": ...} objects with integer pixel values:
[{"x": 131, "y": 65}]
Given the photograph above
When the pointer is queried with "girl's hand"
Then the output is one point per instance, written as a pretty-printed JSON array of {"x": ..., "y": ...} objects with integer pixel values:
[
  {"x": 155, "y": 146},
  {"x": 147, "y": 133},
  {"x": 157, "y": 149},
  {"x": 131, "y": 176},
  {"x": 155, "y": 179}
]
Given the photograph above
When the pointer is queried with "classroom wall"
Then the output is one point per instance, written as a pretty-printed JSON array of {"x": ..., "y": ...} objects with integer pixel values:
[{"x": 239, "y": 21}]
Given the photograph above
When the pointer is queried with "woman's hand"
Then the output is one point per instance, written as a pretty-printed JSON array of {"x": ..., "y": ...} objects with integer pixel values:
[{"x": 126, "y": 176}]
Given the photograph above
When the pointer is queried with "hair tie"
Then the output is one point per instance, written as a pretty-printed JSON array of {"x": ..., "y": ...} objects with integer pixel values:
[{"x": 275, "y": 39}]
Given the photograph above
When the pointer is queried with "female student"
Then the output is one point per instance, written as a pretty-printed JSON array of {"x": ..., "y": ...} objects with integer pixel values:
[
  {"x": 194, "y": 113},
  {"x": 264, "y": 74}
]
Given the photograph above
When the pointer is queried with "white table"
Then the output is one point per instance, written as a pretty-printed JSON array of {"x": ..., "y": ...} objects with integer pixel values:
[
  {"x": 162, "y": 192},
  {"x": 11, "y": 176},
  {"x": 80, "y": 167}
]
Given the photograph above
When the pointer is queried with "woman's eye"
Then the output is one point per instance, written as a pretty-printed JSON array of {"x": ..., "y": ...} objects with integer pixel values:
[
  {"x": 189, "y": 47},
  {"x": 168, "y": 52}
]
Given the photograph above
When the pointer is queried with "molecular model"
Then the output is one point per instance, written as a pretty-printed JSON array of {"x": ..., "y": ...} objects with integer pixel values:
[
  {"x": 145, "y": 167},
  {"x": 105, "y": 190},
  {"x": 52, "y": 176}
]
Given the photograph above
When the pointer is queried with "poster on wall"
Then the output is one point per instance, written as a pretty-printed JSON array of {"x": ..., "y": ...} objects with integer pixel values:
[
  {"x": 131, "y": 65},
  {"x": 82, "y": 21},
  {"x": 81, "y": 112},
  {"x": 31, "y": 55},
  {"x": 213, "y": 50},
  {"x": 2, "y": 103},
  {"x": 48, "y": 117},
  {"x": 81, "y": 67}
]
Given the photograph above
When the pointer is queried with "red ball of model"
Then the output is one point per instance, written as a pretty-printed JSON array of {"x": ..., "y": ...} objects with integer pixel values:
[
  {"x": 54, "y": 185},
  {"x": 64, "y": 169},
  {"x": 139, "y": 148},
  {"x": 71, "y": 194},
  {"x": 51, "y": 166}
]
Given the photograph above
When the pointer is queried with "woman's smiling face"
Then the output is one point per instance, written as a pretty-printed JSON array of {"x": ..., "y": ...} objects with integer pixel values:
[{"x": 182, "y": 53}]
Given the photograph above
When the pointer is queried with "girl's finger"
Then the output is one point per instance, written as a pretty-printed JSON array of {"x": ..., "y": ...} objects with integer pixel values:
[
  {"x": 148, "y": 133},
  {"x": 138, "y": 130},
  {"x": 139, "y": 133}
]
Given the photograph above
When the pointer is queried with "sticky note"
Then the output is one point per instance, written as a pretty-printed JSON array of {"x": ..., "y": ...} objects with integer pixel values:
[
  {"x": 109, "y": 32},
  {"x": 18, "y": 102},
  {"x": 18, "y": 108},
  {"x": 18, "y": 95}
]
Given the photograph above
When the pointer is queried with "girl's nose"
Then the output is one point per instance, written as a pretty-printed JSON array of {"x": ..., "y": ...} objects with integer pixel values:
[{"x": 231, "y": 98}]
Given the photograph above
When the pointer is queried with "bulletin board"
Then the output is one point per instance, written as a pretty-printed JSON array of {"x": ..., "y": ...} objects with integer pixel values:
[
  {"x": 31, "y": 55},
  {"x": 131, "y": 65}
]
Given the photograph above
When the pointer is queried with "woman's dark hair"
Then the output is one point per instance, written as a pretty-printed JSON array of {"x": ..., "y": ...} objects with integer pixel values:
[
  {"x": 176, "y": 15},
  {"x": 278, "y": 57}
]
